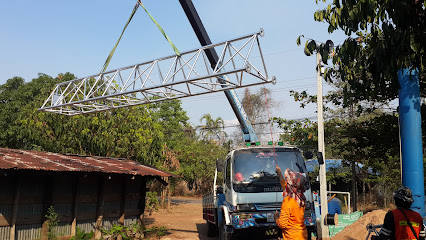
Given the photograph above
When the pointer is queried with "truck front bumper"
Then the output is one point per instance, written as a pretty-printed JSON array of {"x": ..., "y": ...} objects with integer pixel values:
[
  {"x": 247, "y": 220},
  {"x": 262, "y": 219}
]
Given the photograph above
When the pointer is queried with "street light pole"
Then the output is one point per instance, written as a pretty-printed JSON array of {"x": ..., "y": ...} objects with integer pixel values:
[{"x": 324, "y": 234}]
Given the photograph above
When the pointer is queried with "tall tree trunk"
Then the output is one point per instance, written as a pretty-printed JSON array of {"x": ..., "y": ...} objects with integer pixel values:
[
  {"x": 385, "y": 195},
  {"x": 363, "y": 187},
  {"x": 354, "y": 194}
]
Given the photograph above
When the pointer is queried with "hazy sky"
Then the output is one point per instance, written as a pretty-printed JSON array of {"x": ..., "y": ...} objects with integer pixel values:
[{"x": 55, "y": 37}]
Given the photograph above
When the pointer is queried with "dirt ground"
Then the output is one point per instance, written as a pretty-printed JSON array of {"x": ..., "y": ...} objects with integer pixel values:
[
  {"x": 358, "y": 229},
  {"x": 184, "y": 221}
]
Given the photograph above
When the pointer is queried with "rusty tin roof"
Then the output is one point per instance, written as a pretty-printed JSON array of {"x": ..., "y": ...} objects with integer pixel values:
[{"x": 47, "y": 161}]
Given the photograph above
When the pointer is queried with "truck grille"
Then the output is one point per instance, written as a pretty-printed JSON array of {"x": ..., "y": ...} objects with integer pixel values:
[{"x": 267, "y": 206}]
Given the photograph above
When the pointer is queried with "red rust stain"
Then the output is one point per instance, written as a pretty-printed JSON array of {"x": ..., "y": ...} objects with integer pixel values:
[{"x": 26, "y": 159}]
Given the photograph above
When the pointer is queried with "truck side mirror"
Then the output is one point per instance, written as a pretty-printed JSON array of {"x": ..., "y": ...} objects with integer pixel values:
[
  {"x": 219, "y": 165},
  {"x": 308, "y": 155},
  {"x": 320, "y": 158}
]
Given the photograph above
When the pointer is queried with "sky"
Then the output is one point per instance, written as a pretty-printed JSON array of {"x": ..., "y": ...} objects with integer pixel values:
[{"x": 53, "y": 37}]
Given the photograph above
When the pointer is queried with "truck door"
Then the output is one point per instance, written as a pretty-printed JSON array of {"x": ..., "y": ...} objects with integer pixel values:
[{"x": 228, "y": 180}]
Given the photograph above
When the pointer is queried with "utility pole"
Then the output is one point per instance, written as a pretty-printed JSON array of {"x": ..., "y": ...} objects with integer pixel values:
[{"x": 324, "y": 234}]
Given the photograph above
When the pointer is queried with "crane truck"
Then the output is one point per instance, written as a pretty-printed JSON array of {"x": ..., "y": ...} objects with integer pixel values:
[{"x": 251, "y": 192}]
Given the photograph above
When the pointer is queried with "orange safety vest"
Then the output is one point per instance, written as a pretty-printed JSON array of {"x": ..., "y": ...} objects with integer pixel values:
[{"x": 402, "y": 229}]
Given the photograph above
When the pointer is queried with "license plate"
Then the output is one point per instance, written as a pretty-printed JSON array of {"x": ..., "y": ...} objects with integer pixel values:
[{"x": 270, "y": 217}]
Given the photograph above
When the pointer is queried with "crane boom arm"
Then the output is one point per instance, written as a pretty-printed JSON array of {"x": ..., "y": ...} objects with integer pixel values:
[{"x": 203, "y": 37}]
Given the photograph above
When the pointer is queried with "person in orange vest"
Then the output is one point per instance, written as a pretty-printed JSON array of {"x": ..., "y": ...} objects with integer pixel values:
[
  {"x": 291, "y": 219},
  {"x": 402, "y": 223}
]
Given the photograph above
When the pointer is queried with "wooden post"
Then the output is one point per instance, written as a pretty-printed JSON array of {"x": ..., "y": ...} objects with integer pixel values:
[
  {"x": 15, "y": 208},
  {"x": 75, "y": 186},
  {"x": 46, "y": 202},
  {"x": 123, "y": 199},
  {"x": 141, "y": 204},
  {"x": 100, "y": 207}
]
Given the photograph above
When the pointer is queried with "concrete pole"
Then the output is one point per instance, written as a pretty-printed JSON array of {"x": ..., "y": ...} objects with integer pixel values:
[{"x": 321, "y": 148}]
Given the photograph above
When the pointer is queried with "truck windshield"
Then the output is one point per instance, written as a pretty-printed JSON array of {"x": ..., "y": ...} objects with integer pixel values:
[{"x": 254, "y": 169}]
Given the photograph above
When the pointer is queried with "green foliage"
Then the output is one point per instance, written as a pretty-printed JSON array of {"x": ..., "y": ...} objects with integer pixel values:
[
  {"x": 370, "y": 140},
  {"x": 198, "y": 162},
  {"x": 53, "y": 221},
  {"x": 172, "y": 118},
  {"x": 212, "y": 129},
  {"x": 157, "y": 231},
  {"x": 152, "y": 202},
  {"x": 151, "y": 134},
  {"x": 298, "y": 133},
  {"x": 129, "y": 133},
  {"x": 81, "y": 235},
  {"x": 136, "y": 231},
  {"x": 383, "y": 37},
  {"x": 117, "y": 230}
]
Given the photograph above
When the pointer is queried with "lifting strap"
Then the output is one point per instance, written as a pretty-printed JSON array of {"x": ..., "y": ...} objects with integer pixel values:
[
  {"x": 161, "y": 29},
  {"x": 124, "y": 29},
  {"x": 116, "y": 44}
]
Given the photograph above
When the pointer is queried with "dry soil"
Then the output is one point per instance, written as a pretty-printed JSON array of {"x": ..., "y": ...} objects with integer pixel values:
[{"x": 184, "y": 221}]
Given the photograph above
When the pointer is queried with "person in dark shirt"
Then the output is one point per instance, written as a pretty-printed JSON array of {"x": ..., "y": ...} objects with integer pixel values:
[{"x": 402, "y": 223}]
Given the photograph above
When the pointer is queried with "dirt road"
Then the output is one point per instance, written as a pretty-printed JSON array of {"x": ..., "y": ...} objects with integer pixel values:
[{"x": 184, "y": 220}]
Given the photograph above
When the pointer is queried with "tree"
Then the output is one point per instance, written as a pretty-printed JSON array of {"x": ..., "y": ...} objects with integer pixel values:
[
  {"x": 212, "y": 128},
  {"x": 173, "y": 119},
  {"x": 370, "y": 140},
  {"x": 151, "y": 134},
  {"x": 129, "y": 133},
  {"x": 256, "y": 106},
  {"x": 383, "y": 37},
  {"x": 198, "y": 162}
]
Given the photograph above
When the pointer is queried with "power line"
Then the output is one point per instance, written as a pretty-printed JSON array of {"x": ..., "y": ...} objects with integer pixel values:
[
  {"x": 272, "y": 90},
  {"x": 262, "y": 123}
]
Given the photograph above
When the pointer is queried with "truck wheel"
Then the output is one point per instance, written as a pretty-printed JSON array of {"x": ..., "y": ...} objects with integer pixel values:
[
  {"x": 223, "y": 235},
  {"x": 310, "y": 231},
  {"x": 211, "y": 229}
]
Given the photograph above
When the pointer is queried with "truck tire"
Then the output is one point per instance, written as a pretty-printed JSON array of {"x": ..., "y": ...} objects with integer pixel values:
[
  {"x": 310, "y": 231},
  {"x": 211, "y": 229},
  {"x": 223, "y": 235}
]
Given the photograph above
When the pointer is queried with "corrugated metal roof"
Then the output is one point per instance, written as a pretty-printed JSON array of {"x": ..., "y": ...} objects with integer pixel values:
[{"x": 47, "y": 161}]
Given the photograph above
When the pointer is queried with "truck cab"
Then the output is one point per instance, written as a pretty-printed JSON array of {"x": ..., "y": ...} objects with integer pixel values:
[{"x": 252, "y": 191}]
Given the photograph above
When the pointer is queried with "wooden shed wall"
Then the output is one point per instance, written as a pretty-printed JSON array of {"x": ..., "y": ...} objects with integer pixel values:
[{"x": 89, "y": 201}]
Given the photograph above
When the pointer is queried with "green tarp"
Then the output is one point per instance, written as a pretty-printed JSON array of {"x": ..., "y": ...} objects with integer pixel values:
[{"x": 344, "y": 220}]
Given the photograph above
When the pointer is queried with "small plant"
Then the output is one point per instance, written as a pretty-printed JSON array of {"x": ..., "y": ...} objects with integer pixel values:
[
  {"x": 81, "y": 235},
  {"x": 117, "y": 230},
  {"x": 152, "y": 202},
  {"x": 156, "y": 231},
  {"x": 52, "y": 216}
]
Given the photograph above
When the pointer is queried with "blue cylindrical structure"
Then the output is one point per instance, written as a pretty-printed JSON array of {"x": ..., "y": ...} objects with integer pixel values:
[{"x": 411, "y": 137}]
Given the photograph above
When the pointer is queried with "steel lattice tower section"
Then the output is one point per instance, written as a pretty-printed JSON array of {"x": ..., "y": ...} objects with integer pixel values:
[{"x": 241, "y": 64}]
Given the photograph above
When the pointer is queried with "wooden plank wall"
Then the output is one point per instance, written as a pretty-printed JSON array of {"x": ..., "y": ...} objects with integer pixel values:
[{"x": 25, "y": 197}]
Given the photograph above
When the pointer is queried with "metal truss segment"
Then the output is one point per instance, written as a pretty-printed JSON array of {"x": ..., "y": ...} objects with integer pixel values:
[{"x": 163, "y": 79}]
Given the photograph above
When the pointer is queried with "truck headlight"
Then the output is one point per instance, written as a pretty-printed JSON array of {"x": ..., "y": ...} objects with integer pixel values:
[{"x": 246, "y": 207}]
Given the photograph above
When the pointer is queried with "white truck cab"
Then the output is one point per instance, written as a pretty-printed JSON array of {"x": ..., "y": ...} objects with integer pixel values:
[{"x": 252, "y": 191}]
